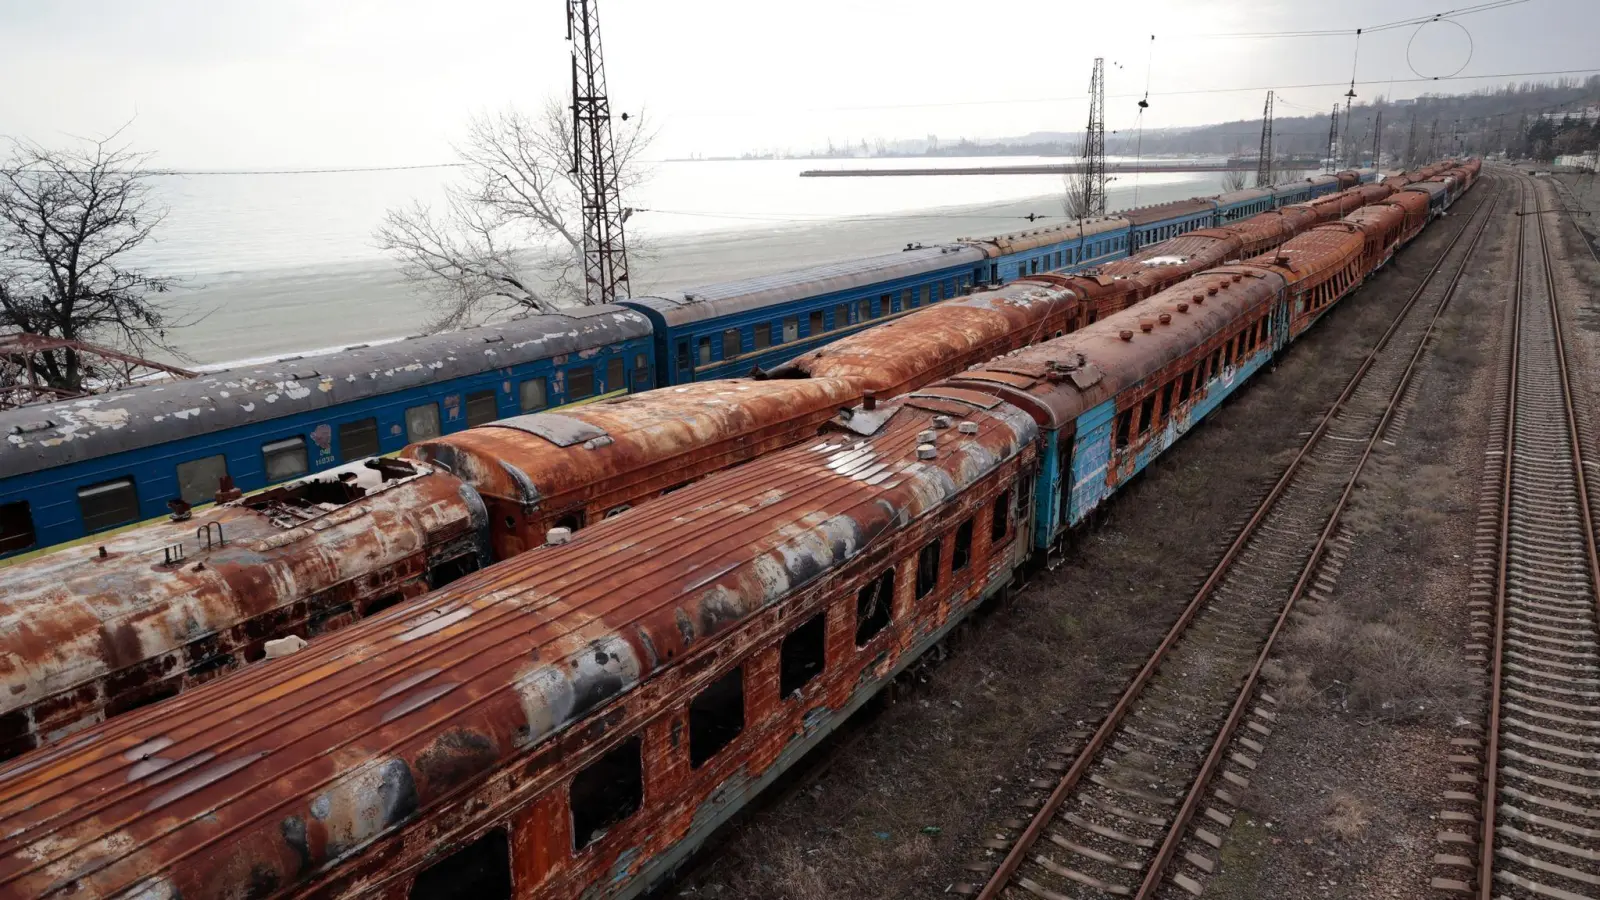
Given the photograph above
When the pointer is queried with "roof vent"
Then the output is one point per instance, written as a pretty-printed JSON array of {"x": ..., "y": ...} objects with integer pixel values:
[
  {"x": 869, "y": 400},
  {"x": 1125, "y": 334},
  {"x": 925, "y": 437},
  {"x": 31, "y": 427},
  {"x": 557, "y": 536},
  {"x": 968, "y": 428},
  {"x": 941, "y": 421},
  {"x": 1237, "y": 277},
  {"x": 1146, "y": 326},
  {"x": 1212, "y": 289},
  {"x": 1183, "y": 307},
  {"x": 926, "y": 451},
  {"x": 1165, "y": 318}
]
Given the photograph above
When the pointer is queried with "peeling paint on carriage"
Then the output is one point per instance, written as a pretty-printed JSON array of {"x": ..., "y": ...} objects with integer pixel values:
[
  {"x": 90, "y": 632},
  {"x": 495, "y": 677}
]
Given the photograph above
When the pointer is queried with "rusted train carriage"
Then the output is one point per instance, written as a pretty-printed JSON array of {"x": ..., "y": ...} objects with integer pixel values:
[
  {"x": 193, "y": 599},
  {"x": 573, "y": 720}
]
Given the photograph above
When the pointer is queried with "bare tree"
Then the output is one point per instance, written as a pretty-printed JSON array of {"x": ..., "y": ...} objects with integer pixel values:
[
  {"x": 1075, "y": 195},
  {"x": 510, "y": 234},
  {"x": 70, "y": 221},
  {"x": 1233, "y": 180}
]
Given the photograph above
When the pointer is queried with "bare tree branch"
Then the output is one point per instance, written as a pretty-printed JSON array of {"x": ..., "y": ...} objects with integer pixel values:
[
  {"x": 69, "y": 219},
  {"x": 1233, "y": 180},
  {"x": 509, "y": 235}
]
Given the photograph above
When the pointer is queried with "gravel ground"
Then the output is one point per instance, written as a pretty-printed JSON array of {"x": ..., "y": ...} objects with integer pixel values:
[
  {"x": 916, "y": 784},
  {"x": 1370, "y": 679}
]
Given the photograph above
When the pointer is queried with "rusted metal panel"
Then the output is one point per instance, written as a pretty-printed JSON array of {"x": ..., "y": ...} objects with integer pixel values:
[
  {"x": 1144, "y": 215},
  {"x": 747, "y": 294},
  {"x": 1124, "y": 349},
  {"x": 1044, "y": 236},
  {"x": 940, "y": 340},
  {"x": 43, "y": 436},
  {"x": 576, "y": 467},
  {"x": 90, "y": 631},
  {"x": 341, "y": 768}
]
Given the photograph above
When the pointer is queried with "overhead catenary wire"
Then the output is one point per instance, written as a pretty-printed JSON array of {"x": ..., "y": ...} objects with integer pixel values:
[{"x": 1446, "y": 15}]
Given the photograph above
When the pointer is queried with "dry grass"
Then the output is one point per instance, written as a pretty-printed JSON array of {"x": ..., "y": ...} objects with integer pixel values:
[{"x": 1348, "y": 816}]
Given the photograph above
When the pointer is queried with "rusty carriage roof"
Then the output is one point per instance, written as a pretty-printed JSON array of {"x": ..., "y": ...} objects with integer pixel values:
[
  {"x": 1312, "y": 255},
  {"x": 271, "y": 775},
  {"x": 84, "y": 613},
  {"x": 908, "y": 352},
  {"x": 43, "y": 436},
  {"x": 1061, "y": 379},
  {"x": 542, "y": 458}
]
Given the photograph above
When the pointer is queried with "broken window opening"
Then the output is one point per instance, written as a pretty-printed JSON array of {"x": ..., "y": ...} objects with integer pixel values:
[
  {"x": 802, "y": 655},
  {"x": 479, "y": 871},
  {"x": 716, "y": 717},
  {"x": 874, "y": 607},
  {"x": 961, "y": 553},
  {"x": 606, "y": 792},
  {"x": 928, "y": 568}
]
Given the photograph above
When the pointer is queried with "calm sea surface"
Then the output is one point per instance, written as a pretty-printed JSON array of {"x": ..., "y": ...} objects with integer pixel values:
[{"x": 276, "y": 264}]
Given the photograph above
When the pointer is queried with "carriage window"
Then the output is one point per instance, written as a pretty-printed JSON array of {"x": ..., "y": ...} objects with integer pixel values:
[
  {"x": 16, "y": 527},
  {"x": 199, "y": 479},
  {"x": 874, "y": 606},
  {"x": 285, "y": 458},
  {"x": 908, "y": 299},
  {"x": 1033, "y": 266},
  {"x": 730, "y": 343},
  {"x": 452, "y": 569},
  {"x": 532, "y": 394},
  {"x": 1124, "y": 423},
  {"x": 1002, "y": 516},
  {"x": 608, "y": 791},
  {"x": 814, "y": 323},
  {"x": 112, "y": 503},
  {"x": 961, "y": 554},
  {"x": 716, "y": 716},
  {"x": 841, "y": 316},
  {"x": 1147, "y": 411},
  {"x": 614, "y": 373},
  {"x": 705, "y": 351},
  {"x": 641, "y": 373},
  {"x": 482, "y": 869},
  {"x": 580, "y": 383},
  {"x": 422, "y": 422},
  {"x": 927, "y": 295},
  {"x": 885, "y": 304},
  {"x": 358, "y": 439},
  {"x": 802, "y": 655},
  {"x": 683, "y": 356},
  {"x": 791, "y": 329},
  {"x": 763, "y": 335},
  {"x": 481, "y": 408},
  {"x": 1166, "y": 401},
  {"x": 1185, "y": 386},
  {"x": 928, "y": 568},
  {"x": 863, "y": 310}
]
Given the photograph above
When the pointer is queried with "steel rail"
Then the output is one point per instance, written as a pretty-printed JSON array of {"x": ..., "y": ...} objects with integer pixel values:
[{"x": 1014, "y": 858}]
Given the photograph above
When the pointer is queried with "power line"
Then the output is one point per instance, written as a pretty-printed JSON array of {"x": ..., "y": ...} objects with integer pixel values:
[
  {"x": 1400, "y": 23},
  {"x": 320, "y": 171}
]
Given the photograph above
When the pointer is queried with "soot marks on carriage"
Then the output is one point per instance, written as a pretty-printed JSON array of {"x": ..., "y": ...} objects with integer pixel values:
[
  {"x": 454, "y": 757},
  {"x": 294, "y": 835},
  {"x": 375, "y": 797}
]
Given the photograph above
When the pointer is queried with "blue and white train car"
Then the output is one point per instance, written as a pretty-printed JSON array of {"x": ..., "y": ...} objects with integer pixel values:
[
  {"x": 1243, "y": 204},
  {"x": 1154, "y": 224},
  {"x": 1054, "y": 248},
  {"x": 91, "y": 464}
]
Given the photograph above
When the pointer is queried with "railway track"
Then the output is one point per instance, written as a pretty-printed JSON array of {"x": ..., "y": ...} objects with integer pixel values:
[
  {"x": 1138, "y": 804},
  {"x": 1534, "y": 819}
]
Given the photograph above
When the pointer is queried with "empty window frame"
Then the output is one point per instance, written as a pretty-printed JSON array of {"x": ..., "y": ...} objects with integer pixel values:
[
  {"x": 730, "y": 343},
  {"x": 1147, "y": 412},
  {"x": 814, "y": 323},
  {"x": 606, "y": 792},
  {"x": 16, "y": 526},
  {"x": 1000, "y": 524},
  {"x": 200, "y": 479},
  {"x": 284, "y": 459},
  {"x": 874, "y": 607},
  {"x": 616, "y": 379},
  {"x": 802, "y": 656},
  {"x": 110, "y": 503},
  {"x": 1033, "y": 266},
  {"x": 885, "y": 304},
  {"x": 422, "y": 422},
  {"x": 791, "y": 329},
  {"x": 1124, "y": 427},
  {"x": 961, "y": 553},
  {"x": 928, "y": 568},
  {"x": 358, "y": 439},
  {"x": 479, "y": 871},
  {"x": 763, "y": 335},
  {"x": 580, "y": 383},
  {"x": 532, "y": 395},
  {"x": 716, "y": 717},
  {"x": 705, "y": 351},
  {"x": 683, "y": 356},
  {"x": 863, "y": 310},
  {"x": 841, "y": 316},
  {"x": 1166, "y": 401},
  {"x": 481, "y": 408},
  {"x": 1185, "y": 387}
]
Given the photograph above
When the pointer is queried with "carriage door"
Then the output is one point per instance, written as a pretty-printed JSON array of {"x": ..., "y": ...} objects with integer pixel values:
[{"x": 683, "y": 362}]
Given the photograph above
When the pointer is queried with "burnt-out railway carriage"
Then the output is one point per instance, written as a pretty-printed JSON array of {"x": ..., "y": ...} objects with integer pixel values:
[{"x": 573, "y": 721}]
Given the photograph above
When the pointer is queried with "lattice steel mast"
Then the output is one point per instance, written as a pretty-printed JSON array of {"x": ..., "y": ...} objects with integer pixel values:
[
  {"x": 1331, "y": 162},
  {"x": 1094, "y": 144},
  {"x": 1264, "y": 159},
  {"x": 594, "y": 163}
]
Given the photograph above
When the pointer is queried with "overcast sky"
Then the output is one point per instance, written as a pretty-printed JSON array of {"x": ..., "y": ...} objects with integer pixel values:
[{"x": 293, "y": 83}]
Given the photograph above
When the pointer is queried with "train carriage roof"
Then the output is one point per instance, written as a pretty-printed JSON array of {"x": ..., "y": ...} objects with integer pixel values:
[
  {"x": 1034, "y": 238},
  {"x": 1243, "y": 196},
  {"x": 1144, "y": 215},
  {"x": 69, "y": 431},
  {"x": 752, "y": 294}
]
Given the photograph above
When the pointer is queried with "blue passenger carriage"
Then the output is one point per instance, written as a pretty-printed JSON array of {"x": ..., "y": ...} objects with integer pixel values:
[
  {"x": 91, "y": 464},
  {"x": 1243, "y": 204},
  {"x": 1054, "y": 248},
  {"x": 1154, "y": 224}
]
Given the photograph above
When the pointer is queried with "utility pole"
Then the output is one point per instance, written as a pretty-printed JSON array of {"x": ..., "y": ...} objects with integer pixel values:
[
  {"x": 594, "y": 162},
  {"x": 1264, "y": 159},
  {"x": 1333, "y": 140},
  {"x": 1411, "y": 144},
  {"x": 1433, "y": 134},
  {"x": 1094, "y": 144},
  {"x": 1345, "y": 147},
  {"x": 1377, "y": 140}
]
